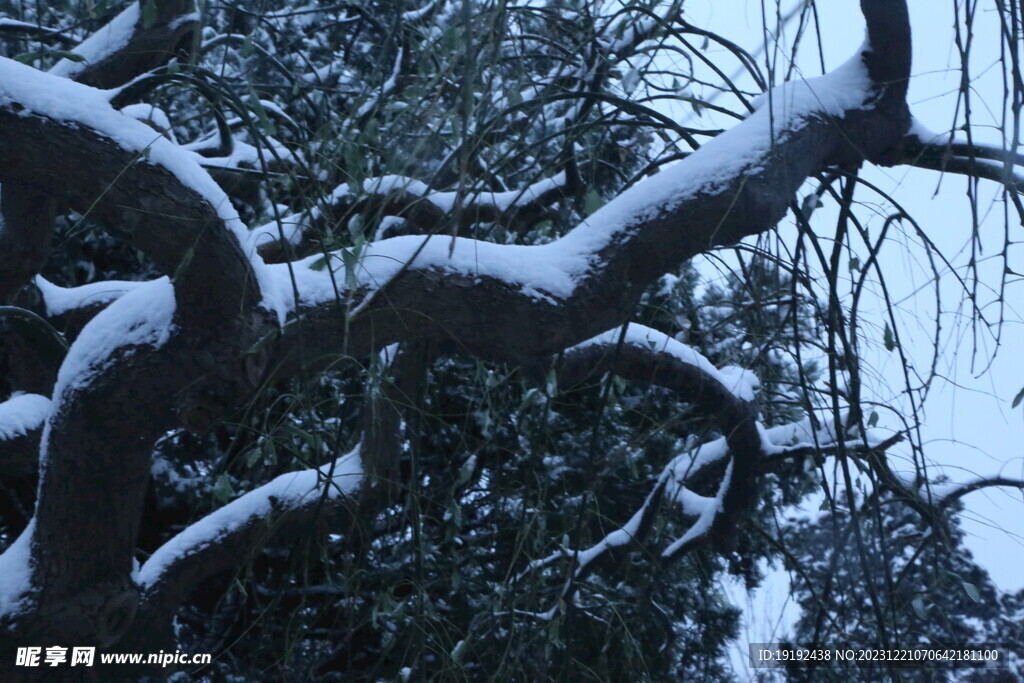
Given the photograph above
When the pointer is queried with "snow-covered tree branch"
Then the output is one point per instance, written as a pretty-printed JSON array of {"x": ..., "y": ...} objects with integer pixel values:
[{"x": 444, "y": 235}]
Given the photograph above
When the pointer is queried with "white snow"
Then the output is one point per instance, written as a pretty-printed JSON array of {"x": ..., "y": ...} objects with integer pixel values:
[
  {"x": 739, "y": 382},
  {"x": 151, "y": 113},
  {"x": 60, "y": 300},
  {"x": 141, "y": 317},
  {"x": 385, "y": 90},
  {"x": 59, "y": 99},
  {"x": 693, "y": 503},
  {"x": 707, "y": 516},
  {"x": 447, "y": 201},
  {"x": 286, "y": 491},
  {"x": 243, "y": 154},
  {"x": 923, "y": 133},
  {"x": 22, "y": 413},
  {"x": 16, "y": 571},
  {"x": 541, "y": 273},
  {"x": 100, "y": 45},
  {"x": 842, "y": 89},
  {"x": 417, "y": 14}
]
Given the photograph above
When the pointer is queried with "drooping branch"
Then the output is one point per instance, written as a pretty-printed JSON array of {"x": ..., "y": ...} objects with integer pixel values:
[
  {"x": 645, "y": 355},
  {"x": 736, "y": 459}
]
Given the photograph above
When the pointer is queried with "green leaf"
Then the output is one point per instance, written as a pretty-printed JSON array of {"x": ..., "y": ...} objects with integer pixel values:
[
  {"x": 888, "y": 339},
  {"x": 29, "y": 57},
  {"x": 854, "y": 263},
  {"x": 972, "y": 591},
  {"x": 529, "y": 399},
  {"x": 148, "y": 13},
  {"x": 809, "y": 204},
  {"x": 183, "y": 265},
  {"x": 919, "y": 607},
  {"x": 261, "y": 114},
  {"x": 873, "y": 419},
  {"x": 592, "y": 202},
  {"x": 551, "y": 382},
  {"x": 1018, "y": 398},
  {"x": 350, "y": 259},
  {"x": 223, "y": 491}
]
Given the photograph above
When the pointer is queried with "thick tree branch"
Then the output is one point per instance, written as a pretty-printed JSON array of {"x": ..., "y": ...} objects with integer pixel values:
[
  {"x": 556, "y": 295},
  {"x": 132, "y": 43},
  {"x": 227, "y": 537},
  {"x": 21, "y": 424},
  {"x": 26, "y": 229},
  {"x": 155, "y": 350},
  {"x": 123, "y": 49}
]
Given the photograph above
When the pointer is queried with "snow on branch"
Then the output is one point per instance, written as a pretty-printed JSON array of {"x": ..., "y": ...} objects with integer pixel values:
[
  {"x": 945, "y": 494},
  {"x": 102, "y": 44},
  {"x": 127, "y": 175},
  {"x": 22, "y": 414},
  {"x": 14, "y": 27},
  {"x": 640, "y": 353},
  {"x": 63, "y": 300},
  {"x": 421, "y": 208},
  {"x": 747, "y": 449},
  {"x": 21, "y": 423},
  {"x": 227, "y": 536},
  {"x": 948, "y": 153},
  {"x": 127, "y": 46},
  {"x": 737, "y": 381},
  {"x": 142, "y": 317},
  {"x": 133, "y": 42}
]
